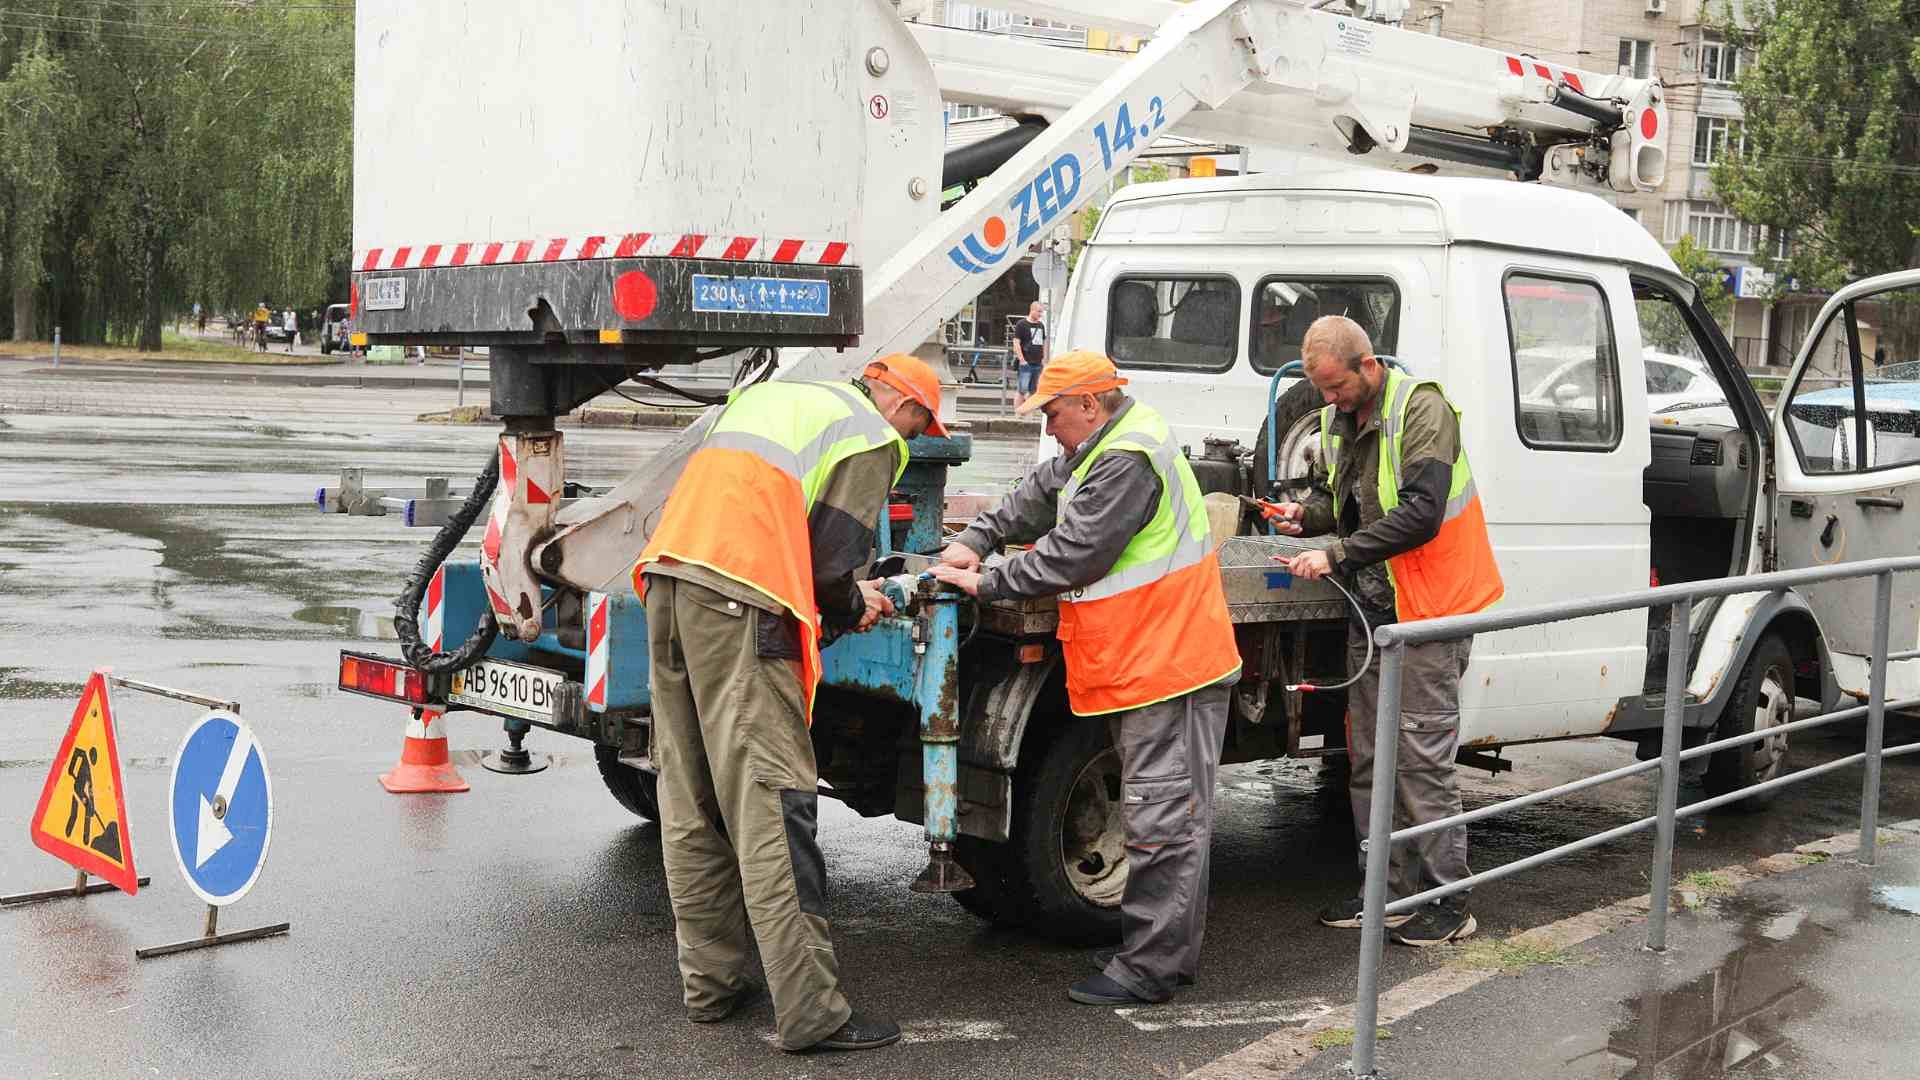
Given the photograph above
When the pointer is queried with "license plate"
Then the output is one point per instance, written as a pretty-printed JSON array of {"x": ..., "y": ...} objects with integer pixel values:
[
  {"x": 514, "y": 689},
  {"x": 383, "y": 294}
]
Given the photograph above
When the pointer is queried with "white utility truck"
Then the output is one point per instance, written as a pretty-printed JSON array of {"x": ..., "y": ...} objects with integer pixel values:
[{"x": 604, "y": 191}]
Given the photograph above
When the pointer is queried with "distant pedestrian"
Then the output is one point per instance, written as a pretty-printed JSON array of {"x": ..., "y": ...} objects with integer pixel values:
[
  {"x": 1030, "y": 342},
  {"x": 290, "y": 322},
  {"x": 1879, "y": 357}
]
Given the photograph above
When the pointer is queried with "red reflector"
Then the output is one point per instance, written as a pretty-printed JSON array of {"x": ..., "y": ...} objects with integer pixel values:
[
  {"x": 1649, "y": 124},
  {"x": 899, "y": 511},
  {"x": 1031, "y": 654},
  {"x": 383, "y": 678},
  {"x": 634, "y": 296}
]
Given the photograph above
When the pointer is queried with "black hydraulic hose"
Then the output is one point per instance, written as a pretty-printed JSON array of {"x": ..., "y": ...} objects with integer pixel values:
[
  {"x": 406, "y": 622},
  {"x": 976, "y": 160}
]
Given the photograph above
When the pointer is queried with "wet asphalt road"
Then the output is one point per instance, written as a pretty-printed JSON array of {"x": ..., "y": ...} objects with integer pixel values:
[{"x": 522, "y": 929}]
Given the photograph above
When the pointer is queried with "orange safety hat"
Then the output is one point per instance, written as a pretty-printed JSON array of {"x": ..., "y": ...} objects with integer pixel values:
[
  {"x": 911, "y": 376},
  {"x": 1078, "y": 372}
]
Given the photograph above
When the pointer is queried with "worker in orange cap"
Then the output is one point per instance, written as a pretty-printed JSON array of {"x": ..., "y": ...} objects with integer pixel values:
[
  {"x": 758, "y": 553},
  {"x": 1120, "y": 535}
]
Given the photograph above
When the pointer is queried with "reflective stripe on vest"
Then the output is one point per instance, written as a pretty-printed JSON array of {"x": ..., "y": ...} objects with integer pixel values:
[
  {"x": 1454, "y": 573},
  {"x": 741, "y": 507},
  {"x": 1156, "y": 625}
]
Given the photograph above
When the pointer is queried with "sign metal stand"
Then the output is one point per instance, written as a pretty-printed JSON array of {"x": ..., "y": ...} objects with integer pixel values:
[{"x": 243, "y": 754}]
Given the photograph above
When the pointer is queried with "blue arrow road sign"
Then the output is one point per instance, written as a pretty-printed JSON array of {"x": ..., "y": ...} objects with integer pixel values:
[{"x": 222, "y": 810}]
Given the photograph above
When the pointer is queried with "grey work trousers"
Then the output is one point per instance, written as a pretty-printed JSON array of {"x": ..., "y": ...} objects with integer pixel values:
[
  {"x": 1169, "y": 757},
  {"x": 1424, "y": 780},
  {"x": 738, "y": 801}
]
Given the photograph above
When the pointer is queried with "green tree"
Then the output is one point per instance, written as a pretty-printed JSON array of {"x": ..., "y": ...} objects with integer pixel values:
[
  {"x": 180, "y": 150},
  {"x": 1832, "y": 134},
  {"x": 37, "y": 107}
]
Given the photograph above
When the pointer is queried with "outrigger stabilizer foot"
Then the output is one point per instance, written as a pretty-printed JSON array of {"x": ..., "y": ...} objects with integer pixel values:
[
  {"x": 943, "y": 874},
  {"x": 514, "y": 760}
]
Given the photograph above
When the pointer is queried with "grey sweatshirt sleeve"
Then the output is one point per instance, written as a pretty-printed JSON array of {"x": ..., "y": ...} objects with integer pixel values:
[
  {"x": 842, "y": 526},
  {"x": 1114, "y": 502}
]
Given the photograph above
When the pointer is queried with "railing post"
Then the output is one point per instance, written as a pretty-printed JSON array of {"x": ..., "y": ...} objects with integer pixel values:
[
  {"x": 1373, "y": 919},
  {"x": 1659, "y": 897},
  {"x": 1876, "y": 717},
  {"x": 460, "y": 382}
]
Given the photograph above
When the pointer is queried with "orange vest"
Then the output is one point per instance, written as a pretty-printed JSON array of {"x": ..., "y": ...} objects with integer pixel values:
[
  {"x": 1455, "y": 572},
  {"x": 740, "y": 508},
  {"x": 1156, "y": 626}
]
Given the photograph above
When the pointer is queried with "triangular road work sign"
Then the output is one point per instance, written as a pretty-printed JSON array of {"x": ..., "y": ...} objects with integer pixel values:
[{"x": 82, "y": 816}]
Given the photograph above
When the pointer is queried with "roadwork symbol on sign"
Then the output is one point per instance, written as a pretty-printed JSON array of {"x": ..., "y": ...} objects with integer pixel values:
[
  {"x": 82, "y": 816},
  {"x": 222, "y": 808}
]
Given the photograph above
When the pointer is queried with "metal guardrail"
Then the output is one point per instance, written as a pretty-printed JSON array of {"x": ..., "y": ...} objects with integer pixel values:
[
  {"x": 1392, "y": 641},
  {"x": 974, "y": 354}
]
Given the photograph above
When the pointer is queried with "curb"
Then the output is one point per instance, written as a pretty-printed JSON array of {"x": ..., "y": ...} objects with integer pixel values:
[{"x": 1289, "y": 1049}]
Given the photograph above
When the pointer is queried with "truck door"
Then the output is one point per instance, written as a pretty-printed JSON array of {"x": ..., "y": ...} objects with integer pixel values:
[{"x": 1848, "y": 463}]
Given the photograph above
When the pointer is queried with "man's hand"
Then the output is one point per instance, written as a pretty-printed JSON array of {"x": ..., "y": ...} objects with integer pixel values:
[
  {"x": 960, "y": 555},
  {"x": 1310, "y": 565},
  {"x": 1284, "y": 517},
  {"x": 967, "y": 581},
  {"x": 878, "y": 606}
]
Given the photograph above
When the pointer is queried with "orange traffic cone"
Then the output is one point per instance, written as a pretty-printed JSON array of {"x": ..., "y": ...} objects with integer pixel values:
[{"x": 424, "y": 762}]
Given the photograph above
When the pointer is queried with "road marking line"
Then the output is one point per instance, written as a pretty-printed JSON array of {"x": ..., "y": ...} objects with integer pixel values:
[
  {"x": 1223, "y": 1014},
  {"x": 933, "y": 1031},
  {"x": 939, "y": 1031}
]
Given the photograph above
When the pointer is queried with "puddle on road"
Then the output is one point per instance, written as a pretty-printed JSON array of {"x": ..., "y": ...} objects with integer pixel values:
[
  {"x": 15, "y": 686},
  {"x": 1904, "y": 899},
  {"x": 349, "y": 620},
  {"x": 1731, "y": 1021}
]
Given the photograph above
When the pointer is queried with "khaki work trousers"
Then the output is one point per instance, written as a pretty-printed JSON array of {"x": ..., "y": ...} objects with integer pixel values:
[
  {"x": 738, "y": 801},
  {"x": 1169, "y": 759},
  {"x": 1424, "y": 777}
]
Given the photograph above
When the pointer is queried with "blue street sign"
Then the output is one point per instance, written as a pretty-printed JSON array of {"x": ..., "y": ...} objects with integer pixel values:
[
  {"x": 222, "y": 808},
  {"x": 761, "y": 295}
]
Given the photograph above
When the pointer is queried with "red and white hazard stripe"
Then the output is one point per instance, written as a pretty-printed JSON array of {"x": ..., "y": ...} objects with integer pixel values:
[
  {"x": 497, "y": 524},
  {"x": 597, "y": 651},
  {"x": 609, "y": 245},
  {"x": 1530, "y": 66},
  {"x": 436, "y": 610}
]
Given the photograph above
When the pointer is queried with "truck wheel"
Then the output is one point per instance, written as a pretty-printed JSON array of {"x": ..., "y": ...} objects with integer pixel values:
[
  {"x": 1763, "y": 698},
  {"x": 1296, "y": 422},
  {"x": 1062, "y": 870},
  {"x": 635, "y": 789}
]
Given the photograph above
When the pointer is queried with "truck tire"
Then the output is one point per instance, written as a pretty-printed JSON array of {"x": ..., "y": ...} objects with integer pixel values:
[
  {"x": 635, "y": 789},
  {"x": 1294, "y": 419},
  {"x": 1762, "y": 698},
  {"x": 1064, "y": 866}
]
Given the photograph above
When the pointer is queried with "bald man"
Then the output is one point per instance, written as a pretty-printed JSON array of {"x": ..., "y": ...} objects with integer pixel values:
[{"x": 1411, "y": 541}]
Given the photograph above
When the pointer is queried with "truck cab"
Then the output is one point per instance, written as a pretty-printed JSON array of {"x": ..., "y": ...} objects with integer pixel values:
[{"x": 1537, "y": 308}]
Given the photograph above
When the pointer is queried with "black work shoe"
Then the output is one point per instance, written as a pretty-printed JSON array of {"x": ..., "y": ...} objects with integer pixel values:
[
  {"x": 860, "y": 1033},
  {"x": 1436, "y": 924},
  {"x": 741, "y": 998},
  {"x": 1103, "y": 957},
  {"x": 1345, "y": 915},
  {"x": 1101, "y": 990}
]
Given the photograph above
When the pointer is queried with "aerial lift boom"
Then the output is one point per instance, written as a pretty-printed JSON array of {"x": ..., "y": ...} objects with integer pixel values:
[{"x": 1266, "y": 73}]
